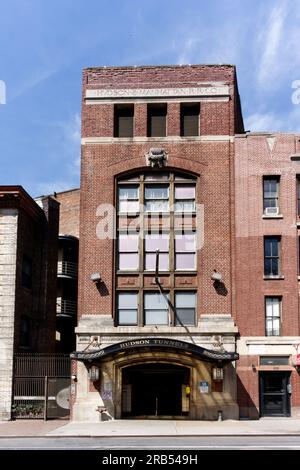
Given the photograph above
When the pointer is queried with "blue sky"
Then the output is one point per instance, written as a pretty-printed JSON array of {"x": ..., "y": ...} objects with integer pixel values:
[{"x": 45, "y": 44}]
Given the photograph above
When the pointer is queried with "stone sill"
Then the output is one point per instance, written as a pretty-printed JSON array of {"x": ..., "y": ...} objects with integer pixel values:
[
  {"x": 278, "y": 216},
  {"x": 273, "y": 278}
]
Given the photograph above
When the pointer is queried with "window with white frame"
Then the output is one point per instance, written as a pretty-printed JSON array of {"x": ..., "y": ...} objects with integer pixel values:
[
  {"x": 128, "y": 252},
  {"x": 273, "y": 315},
  {"x": 156, "y": 308},
  {"x": 154, "y": 242},
  {"x": 156, "y": 213},
  {"x": 127, "y": 304},
  {"x": 185, "y": 251},
  {"x": 185, "y": 307}
]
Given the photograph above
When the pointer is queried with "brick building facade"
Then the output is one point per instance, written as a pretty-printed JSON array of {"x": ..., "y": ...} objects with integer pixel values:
[
  {"x": 267, "y": 272},
  {"x": 157, "y": 145}
]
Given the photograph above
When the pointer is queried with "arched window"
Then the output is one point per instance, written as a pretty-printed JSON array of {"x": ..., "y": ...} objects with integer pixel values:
[{"x": 156, "y": 213}]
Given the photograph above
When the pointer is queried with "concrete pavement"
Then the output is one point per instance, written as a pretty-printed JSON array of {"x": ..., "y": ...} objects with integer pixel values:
[{"x": 120, "y": 428}]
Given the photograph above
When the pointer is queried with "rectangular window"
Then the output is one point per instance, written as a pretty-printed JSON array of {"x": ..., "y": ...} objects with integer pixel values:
[
  {"x": 154, "y": 242},
  {"x": 185, "y": 308},
  {"x": 273, "y": 314},
  {"x": 127, "y": 308},
  {"x": 185, "y": 251},
  {"x": 128, "y": 199},
  {"x": 156, "y": 308},
  {"x": 271, "y": 195},
  {"x": 189, "y": 119},
  {"x": 272, "y": 256},
  {"x": 123, "y": 120},
  {"x": 27, "y": 272},
  {"x": 156, "y": 120},
  {"x": 298, "y": 196},
  {"x": 184, "y": 198},
  {"x": 128, "y": 244},
  {"x": 157, "y": 198}
]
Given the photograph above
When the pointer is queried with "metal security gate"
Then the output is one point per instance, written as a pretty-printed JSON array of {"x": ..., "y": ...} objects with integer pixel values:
[{"x": 41, "y": 386}]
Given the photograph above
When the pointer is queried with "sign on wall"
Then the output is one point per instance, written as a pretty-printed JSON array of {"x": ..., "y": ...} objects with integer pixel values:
[{"x": 203, "y": 386}]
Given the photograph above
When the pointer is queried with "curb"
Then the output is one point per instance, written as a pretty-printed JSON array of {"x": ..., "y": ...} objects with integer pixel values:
[{"x": 296, "y": 433}]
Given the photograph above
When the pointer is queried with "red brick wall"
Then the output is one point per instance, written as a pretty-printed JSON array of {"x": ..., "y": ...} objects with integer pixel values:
[
  {"x": 69, "y": 212},
  {"x": 211, "y": 161},
  {"x": 253, "y": 160}
]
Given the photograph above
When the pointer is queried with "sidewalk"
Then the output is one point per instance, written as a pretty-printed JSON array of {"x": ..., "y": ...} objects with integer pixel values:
[{"x": 119, "y": 428}]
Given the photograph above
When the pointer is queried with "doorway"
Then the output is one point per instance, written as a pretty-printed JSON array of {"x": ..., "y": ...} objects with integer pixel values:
[
  {"x": 274, "y": 394},
  {"x": 155, "y": 390}
]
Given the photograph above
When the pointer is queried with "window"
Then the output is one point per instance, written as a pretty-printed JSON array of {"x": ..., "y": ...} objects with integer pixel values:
[
  {"x": 271, "y": 192},
  {"x": 185, "y": 251},
  {"x": 156, "y": 212},
  {"x": 189, "y": 119},
  {"x": 273, "y": 310},
  {"x": 156, "y": 198},
  {"x": 123, "y": 120},
  {"x": 25, "y": 331},
  {"x": 184, "y": 198},
  {"x": 272, "y": 256},
  {"x": 127, "y": 308},
  {"x": 128, "y": 251},
  {"x": 154, "y": 242},
  {"x": 156, "y": 120},
  {"x": 156, "y": 308},
  {"x": 27, "y": 272},
  {"x": 298, "y": 196},
  {"x": 128, "y": 199},
  {"x": 185, "y": 307}
]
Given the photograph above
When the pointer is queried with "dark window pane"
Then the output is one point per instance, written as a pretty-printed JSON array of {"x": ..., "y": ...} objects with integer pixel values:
[
  {"x": 25, "y": 331},
  {"x": 275, "y": 267},
  {"x": 267, "y": 247},
  {"x": 275, "y": 247},
  {"x": 189, "y": 120},
  {"x": 185, "y": 316},
  {"x": 157, "y": 115},
  {"x": 124, "y": 121},
  {"x": 267, "y": 266},
  {"x": 27, "y": 272}
]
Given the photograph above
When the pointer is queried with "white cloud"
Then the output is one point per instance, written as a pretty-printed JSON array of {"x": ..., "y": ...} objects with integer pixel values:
[
  {"x": 277, "y": 46},
  {"x": 272, "y": 122},
  {"x": 271, "y": 41}
]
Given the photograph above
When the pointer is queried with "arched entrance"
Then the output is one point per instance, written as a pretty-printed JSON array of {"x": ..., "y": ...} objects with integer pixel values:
[{"x": 155, "y": 390}]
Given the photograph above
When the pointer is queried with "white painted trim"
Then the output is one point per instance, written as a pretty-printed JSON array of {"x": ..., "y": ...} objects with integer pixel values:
[
  {"x": 115, "y": 93},
  {"x": 171, "y": 139}
]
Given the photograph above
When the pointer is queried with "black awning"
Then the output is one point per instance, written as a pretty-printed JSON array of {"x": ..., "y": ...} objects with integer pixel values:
[{"x": 134, "y": 345}]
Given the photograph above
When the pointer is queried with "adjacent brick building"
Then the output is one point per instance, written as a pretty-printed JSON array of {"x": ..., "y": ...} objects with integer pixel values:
[
  {"x": 28, "y": 269},
  {"x": 67, "y": 270},
  {"x": 267, "y": 211}
]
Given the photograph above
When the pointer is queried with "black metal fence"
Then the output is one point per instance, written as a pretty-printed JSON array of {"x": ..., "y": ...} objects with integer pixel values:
[{"x": 41, "y": 386}]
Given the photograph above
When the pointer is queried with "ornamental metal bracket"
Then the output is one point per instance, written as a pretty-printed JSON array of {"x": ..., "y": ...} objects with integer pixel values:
[{"x": 156, "y": 157}]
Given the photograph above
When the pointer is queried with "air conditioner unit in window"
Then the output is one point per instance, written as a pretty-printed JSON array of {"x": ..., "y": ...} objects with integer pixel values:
[{"x": 271, "y": 210}]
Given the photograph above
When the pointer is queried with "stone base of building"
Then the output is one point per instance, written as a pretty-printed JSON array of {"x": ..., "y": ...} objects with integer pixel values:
[{"x": 158, "y": 382}]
